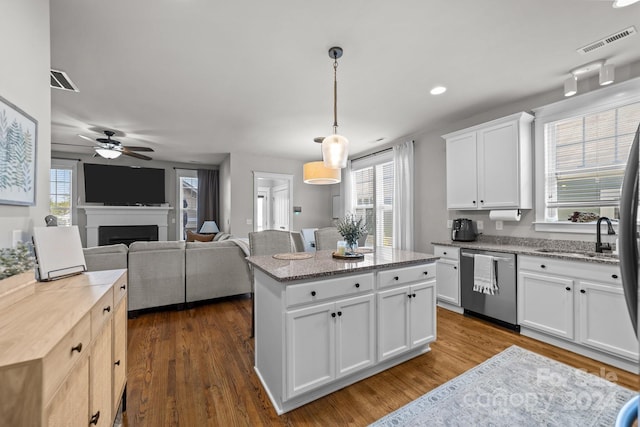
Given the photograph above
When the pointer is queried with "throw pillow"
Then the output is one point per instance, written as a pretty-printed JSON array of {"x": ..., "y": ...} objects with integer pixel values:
[{"x": 195, "y": 237}]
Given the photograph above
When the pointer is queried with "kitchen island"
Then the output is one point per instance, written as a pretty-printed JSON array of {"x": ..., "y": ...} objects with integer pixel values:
[{"x": 324, "y": 323}]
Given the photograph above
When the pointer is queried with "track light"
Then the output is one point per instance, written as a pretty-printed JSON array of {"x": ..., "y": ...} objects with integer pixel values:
[
  {"x": 571, "y": 85},
  {"x": 607, "y": 74}
]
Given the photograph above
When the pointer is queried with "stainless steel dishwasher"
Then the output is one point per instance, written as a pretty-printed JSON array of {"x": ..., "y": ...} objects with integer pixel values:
[{"x": 501, "y": 307}]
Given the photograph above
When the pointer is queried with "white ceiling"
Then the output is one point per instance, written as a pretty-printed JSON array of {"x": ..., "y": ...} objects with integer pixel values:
[{"x": 194, "y": 79}]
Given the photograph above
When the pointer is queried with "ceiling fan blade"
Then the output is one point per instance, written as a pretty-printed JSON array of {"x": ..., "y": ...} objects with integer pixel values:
[
  {"x": 136, "y": 155},
  {"x": 139, "y": 149},
  {"x": 70, "y": 145},
  {"x": 86, "y": 137}
]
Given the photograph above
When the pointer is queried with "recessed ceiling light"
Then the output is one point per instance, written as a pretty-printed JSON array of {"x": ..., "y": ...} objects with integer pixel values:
[{"x": 438, "y": 90}]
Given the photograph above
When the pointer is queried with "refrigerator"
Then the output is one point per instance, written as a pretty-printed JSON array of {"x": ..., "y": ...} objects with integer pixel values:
[{"x": 628, "y": 254}]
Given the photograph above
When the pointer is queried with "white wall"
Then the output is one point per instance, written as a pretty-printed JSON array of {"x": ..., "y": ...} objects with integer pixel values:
[
  {"x": 314, "y": 199},
  {"x": 24, "y": 65},
  {"x": 225, "y": 195}
]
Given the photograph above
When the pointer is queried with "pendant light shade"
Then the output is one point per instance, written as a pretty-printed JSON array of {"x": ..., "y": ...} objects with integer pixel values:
[
  {"x": 335, "y": 150},
  {"x": 316, "y": 173},
  {"x": 108, "y": 154}
]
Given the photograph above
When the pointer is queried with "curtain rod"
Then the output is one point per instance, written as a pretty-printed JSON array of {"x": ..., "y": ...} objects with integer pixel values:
[
  {"x": 65, "y": 158},
  {"x": 193, "y": 169},
  {"x": 384, "y": 150}
]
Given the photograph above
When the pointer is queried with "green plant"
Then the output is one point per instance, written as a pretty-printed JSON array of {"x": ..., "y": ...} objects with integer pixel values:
[
  {"x": 351, "y": 228},
  {"x": 15, "y": 260}
]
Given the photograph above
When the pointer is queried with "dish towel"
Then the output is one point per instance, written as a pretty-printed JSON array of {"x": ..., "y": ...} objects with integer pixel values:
[{"x": 484, "y": 275}]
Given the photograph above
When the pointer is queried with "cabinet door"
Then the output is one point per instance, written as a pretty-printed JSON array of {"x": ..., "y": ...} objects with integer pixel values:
[
  {"x": 604, "y": 322},
  {"x": 119, "y": 352},
  {"x": 393, "y": 322},
  {"x": 448, "y": 281},
  {"x": 462, "y": 172},
  {"x": 310, "y": 348},
  {"x": 355, "y": 334},
  {"x": 545, "y": 303},
  {"x": 498, "y": 167},
  {"x": 423, "y": 314},
  {"x": 70, "y": 405},
  {"x": 100, "y": 377}
]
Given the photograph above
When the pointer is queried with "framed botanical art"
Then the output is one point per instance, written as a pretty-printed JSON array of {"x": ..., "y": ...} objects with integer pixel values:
[{"x": 18, "y": 140}]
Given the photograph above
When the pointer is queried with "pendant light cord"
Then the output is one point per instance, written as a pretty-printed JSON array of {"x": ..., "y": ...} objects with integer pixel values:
[{"x": 335, "y": 95}]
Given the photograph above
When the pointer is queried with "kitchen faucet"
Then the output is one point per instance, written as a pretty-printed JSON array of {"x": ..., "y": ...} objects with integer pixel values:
[{"x": 599, "y": 245}]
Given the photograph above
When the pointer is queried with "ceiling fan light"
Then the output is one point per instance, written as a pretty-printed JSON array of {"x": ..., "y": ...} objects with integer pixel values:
[
  {"x": 108, "y": 154},
  {"x": 335, "y": 150},
  {"x": 570, "y": 86},
  {"x": 623, "y": 3},
  {"x": 316, "y": 173},
  {"x": 607, "y": 74}
]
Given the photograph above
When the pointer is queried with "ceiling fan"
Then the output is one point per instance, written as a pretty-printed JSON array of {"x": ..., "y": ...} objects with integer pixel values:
[{"x": 112, "y": 149}]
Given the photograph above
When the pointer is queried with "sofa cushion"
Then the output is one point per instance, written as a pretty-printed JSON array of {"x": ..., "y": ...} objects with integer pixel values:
[{"x": 107, "y": 257}]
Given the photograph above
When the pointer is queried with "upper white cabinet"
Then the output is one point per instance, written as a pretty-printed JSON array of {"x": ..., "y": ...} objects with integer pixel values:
[{"x": 489, "y": 166}]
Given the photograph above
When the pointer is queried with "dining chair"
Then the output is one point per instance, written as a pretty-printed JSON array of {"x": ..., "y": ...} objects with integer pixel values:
[
  {"x": 327, "y": 238},
  {"x": 298, "y": 241}
]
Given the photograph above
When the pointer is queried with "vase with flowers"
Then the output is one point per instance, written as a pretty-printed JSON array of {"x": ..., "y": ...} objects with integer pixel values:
[{"x": 352, "y": 229}]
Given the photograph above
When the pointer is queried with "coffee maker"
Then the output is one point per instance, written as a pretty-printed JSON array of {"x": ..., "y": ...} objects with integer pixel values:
[{"x": 463, "y": 230}]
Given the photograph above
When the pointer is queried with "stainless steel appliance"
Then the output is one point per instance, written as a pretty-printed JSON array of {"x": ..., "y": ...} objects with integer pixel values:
[
  {"x": 501, "y": 307},
  {"x": 463, "y": 230}
]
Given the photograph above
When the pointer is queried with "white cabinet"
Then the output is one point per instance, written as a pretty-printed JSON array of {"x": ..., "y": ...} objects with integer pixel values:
[
  {"x": 579, "y": 302},
  {"x": 406, "y": 318},
  {"x": 489, "y": 166},
  {"x": 448, "y": 275}
]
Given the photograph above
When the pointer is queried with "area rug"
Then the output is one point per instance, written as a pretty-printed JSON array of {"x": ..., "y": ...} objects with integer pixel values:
[{"x": 517, "y": 388}]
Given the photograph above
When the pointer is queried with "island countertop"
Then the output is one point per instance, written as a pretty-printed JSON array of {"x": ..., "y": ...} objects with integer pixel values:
[{"x": 322, "y": 264}]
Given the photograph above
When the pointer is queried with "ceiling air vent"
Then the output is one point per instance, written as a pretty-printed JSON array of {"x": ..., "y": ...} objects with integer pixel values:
[
  {"x": 608, "y": 40},
  {"x": 60, "y": 80}
]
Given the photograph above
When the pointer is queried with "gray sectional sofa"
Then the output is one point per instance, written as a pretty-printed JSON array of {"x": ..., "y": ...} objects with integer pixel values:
[{"x": 170, "y": 273}]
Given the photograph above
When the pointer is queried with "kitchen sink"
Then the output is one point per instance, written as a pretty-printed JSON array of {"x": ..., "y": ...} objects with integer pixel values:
[{"x": 575, "y": 253}]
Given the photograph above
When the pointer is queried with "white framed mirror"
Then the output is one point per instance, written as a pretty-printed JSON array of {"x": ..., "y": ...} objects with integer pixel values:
[{"x": 272, "y": 201}]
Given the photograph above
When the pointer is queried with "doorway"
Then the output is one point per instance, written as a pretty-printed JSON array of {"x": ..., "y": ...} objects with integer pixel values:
[{"x": 272, "y": 196}]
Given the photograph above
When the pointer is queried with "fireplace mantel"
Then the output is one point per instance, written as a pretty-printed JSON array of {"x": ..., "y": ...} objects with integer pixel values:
[{"x": 125, "y": 215}]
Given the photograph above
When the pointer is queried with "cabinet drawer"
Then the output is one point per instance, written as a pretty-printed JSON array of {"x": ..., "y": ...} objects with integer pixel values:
[
  {"x": 57, "y": 364},
  {"x": 120, "y": 289},
  {"x": 448, "y": 252},
  {"x": 609, "y": 274},
  {"x": 330, "y": 288},
  {"x": 399, "y": 276},
  {"x": 101, "y": 312}
]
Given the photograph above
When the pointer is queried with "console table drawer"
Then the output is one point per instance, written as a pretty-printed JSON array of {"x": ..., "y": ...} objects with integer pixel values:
[
  {"x": 57, "y": 364},
  {"x": 399, "y": 276},
  {"x": 101, "y": 312},
  {"x": 120, "y": 289},
  {"x": 330, "y": 288}
]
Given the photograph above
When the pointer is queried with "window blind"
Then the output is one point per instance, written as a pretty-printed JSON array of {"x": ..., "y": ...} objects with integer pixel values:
[{"x": 586, "y": 156}]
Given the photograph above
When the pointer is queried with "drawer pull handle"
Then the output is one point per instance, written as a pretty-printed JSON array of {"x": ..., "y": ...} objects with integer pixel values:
[
  {"x": 339, "y": 313},
  {"x": 117, "y": 362},
  {"x": 313, "y": 293},
  {"x": 396, "y": 278},
  {"x": 568, "y": 288},
  {"x": 95, "y": 418},
  {"x": 543, "y": 266},
  {"x": 77, "y": 348},
  {"x": 123, "y": 287},
  {"x": 582, "y": 291},
  {"x": 107, "y": 309},
  {"x": 357, "y": 285},
  {"x": 333, "y": 315},
  {"x": 614, "y": 276}
]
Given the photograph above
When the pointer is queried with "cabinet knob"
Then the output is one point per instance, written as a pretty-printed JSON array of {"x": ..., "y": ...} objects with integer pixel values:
[
  {"x": 444, "y": 253},
  {"x": 614, "y": 276},
  {"x": 543, "y": 266},
  {"x": 94, "y": 418},
  {"x": 582, "y": 291},
  {"x": 333, "y": 315},
  {"x": 77, "y": 348},
  {"x": 396, "y": 278},
  {"x": 339, "y": 313},
  {"x": 426, "y": 273},
  {"x": 474, "y": 202},
  {"x": 107, "y": 309},
  {"x": 481, "y": 201},
  {"x": 455, "y": 268},
  {"x": 117, "y": 362},
  {"x": 413, "y": 295},
  {"x": 409, "y": 296},
  {"x": 123, "y": 287},
  {"x": 568, "y": 288},
  {"x": 313, "y": 293},
  {"x": 357, "y": 285}
]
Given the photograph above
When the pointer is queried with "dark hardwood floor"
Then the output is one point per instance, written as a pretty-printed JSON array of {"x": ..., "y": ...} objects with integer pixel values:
[{"x": 195, "y": 368}]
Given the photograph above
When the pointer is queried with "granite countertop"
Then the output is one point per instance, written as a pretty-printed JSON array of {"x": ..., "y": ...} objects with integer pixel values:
[
  {"x": 568, "y": 250},
  {"x": 322, "y": 264}
]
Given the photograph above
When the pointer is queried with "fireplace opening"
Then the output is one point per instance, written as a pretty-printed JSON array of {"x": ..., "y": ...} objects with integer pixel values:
[{"x": 127, "y": 234}]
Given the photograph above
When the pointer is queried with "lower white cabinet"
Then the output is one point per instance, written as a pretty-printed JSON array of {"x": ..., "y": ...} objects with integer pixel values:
[
  {"x": 406, "y": 318},
  {"x": 448, "y": 281},
  {"x": 328, "y": 341}
]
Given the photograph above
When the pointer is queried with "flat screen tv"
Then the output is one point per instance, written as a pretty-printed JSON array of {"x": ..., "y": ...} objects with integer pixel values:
[{"x": 123, "y": 185}]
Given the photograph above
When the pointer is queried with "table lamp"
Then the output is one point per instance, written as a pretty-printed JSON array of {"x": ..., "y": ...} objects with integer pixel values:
[{"x": 209, "y": 227}]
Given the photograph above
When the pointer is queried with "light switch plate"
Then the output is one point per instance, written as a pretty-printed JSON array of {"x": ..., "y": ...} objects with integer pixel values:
[
  {"x": 498, "y": 225},
  {"x": 449, "y": 223},
  {"x": 480, "y": 225}
]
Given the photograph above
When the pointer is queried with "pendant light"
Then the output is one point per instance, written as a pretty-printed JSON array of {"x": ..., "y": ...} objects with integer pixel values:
[
  {"x": 335, "y": 148},
  {"x": 318, "y": 174}
]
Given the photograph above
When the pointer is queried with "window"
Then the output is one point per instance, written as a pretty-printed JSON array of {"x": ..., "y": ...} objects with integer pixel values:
[
  {"x": 188, "y": 205},
  {"x": 372, "y": 198},
  {"x": 585, "y": 151},
  {"x": 62, "y": 176}
]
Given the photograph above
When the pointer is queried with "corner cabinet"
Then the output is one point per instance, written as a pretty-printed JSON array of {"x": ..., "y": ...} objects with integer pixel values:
[
  {"x": 57, "y": 352},
  {"x": 489, "y": 166}
]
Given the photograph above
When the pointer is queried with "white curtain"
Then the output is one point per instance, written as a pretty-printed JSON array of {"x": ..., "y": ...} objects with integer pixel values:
[
  {"x": 345, "y": 190},
  {"x": 403, "y": 196}
]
